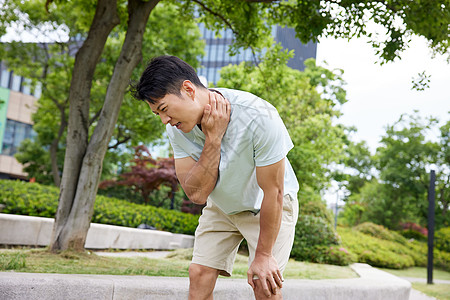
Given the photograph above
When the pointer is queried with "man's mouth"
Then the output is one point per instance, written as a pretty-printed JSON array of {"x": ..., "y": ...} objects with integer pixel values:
[{"x": 177, "y": 125}]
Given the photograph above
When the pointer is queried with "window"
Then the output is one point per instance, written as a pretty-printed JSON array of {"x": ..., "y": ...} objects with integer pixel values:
[
  {"x": 26, "y": 86},
  {"x": 16, "y": 82},
  {"x": 5, "y": 78},
  {"x": 15, "y": 133}
]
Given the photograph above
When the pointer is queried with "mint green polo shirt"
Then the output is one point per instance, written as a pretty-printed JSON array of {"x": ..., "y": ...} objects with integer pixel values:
[{"x": 255, "y": 137}]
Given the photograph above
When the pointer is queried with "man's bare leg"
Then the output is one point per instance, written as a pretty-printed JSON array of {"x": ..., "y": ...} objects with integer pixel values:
[
  {"x": 259, "y": 293},
  {"x": 202, "y": 281}
]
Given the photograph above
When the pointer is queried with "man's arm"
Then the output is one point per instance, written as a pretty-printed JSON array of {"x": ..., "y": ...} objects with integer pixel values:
[
  {"x": 271, "y": 180},
  {"x": 198, "y": 179}
]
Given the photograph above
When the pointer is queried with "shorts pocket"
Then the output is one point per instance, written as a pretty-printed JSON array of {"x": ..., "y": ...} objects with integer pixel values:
[{"x": 288, "y": 211}]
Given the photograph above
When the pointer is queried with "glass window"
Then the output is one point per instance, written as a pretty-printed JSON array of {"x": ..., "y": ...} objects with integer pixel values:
[
  {"x": 8, "y": 138},
  {"x": 16, "y": 81},
  {"x": 217, "y": 76},
  {"x": 26, "y": 86},
  {"x": 15, "y": 133},
  {"x": 5, "y": 78},
  {"x": 214, "y": 52},
  {"x": 20, "y": 133},
  {"x": 220, "y": 52}
]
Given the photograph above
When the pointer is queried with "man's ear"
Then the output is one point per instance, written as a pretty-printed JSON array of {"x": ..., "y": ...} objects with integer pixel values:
[{"x": 189, "y": 88}]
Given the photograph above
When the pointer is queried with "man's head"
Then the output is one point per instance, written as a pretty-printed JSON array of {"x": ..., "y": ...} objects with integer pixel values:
[
  {"x": 173, "y": 91},
  {"x": 164, "y": 75}
]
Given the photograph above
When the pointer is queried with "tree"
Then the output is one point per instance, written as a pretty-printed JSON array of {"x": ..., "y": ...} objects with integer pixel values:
[
  {"x": 399, "y": 193},
  {"x": 54, "y": 70},
  {"x": 250, "y": 20}
]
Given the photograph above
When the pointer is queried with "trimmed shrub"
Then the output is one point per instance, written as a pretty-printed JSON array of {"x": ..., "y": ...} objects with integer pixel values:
[
  {"x": 33, "y": 199},
  {"x": 380, "y": 232},
  {"x": 390, "y": 253},
  {"x": 317, "y": 209},
  {"x": 412, "y": 234},
  {"x": 314, "y": 239},
  {"x": 442, "y": 239}
]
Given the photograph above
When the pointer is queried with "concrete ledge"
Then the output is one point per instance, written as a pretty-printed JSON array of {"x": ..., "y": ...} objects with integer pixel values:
[
  {"x": 37, "y": 231},
  {"x": 372, "y": 285}
]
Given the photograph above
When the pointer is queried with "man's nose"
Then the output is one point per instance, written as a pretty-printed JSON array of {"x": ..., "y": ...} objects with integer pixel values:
[{"x": 164, "y": 118}]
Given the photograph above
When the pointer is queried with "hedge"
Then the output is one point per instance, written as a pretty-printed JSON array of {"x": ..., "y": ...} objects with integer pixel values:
[
  {"x": 385, "y": 252},
  {"x": 33, "y": 199}
]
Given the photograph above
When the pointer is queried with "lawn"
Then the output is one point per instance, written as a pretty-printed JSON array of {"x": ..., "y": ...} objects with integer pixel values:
[
  {"x": 41, "y": 261},
  {"x": 419, "y": 272},
  {"x": 440, "y": 291}
]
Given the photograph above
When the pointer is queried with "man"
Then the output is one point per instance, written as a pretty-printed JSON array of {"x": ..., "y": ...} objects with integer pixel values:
[{"x": 230, "y": 152}]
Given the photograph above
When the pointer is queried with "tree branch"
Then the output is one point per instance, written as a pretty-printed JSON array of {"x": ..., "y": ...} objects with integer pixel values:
[
  {"x": 217, "y": 15},
  {"x": 119, "y": 142},
  {"x": 95, "y": 117}
]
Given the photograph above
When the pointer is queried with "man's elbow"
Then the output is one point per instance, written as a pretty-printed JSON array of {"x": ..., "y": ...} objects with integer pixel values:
[{"x": 197, "y": 198}]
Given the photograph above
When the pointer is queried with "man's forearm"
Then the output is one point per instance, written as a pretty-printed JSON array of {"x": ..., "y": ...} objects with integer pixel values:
[
  {"x": 270, "y": 221},
  {"x": 201, "y": 179}
]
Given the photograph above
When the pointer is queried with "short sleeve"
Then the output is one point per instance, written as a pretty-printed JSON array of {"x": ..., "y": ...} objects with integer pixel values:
[
  {"x": 178, "y": 151},
  {"x": 271, "y": 140}
]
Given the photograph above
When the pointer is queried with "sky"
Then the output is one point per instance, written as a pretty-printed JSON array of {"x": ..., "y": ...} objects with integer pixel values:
[{"x": 378, "y": 94}]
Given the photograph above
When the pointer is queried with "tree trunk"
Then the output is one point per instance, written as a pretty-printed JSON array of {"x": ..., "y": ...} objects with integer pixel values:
[
  {"x": 105, "y": 19},
  {"x": 83, "y": 161},
  {"x": 54, "y": 146}
]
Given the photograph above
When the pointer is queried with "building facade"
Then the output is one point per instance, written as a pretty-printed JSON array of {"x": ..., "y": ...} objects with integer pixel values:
[{"x": 17, "y": 103}]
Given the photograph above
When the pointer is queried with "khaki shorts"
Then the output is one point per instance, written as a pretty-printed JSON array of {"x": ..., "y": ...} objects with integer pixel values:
[{"x": 218, "y": 236}]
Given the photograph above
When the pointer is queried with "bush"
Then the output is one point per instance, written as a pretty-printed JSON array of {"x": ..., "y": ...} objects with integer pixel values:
[
  {"x": 412, "y": 234},
  {"x": 410, "y": 226},
  {"x": 380, "y": 232},
  {"x": 442, "y": 239},
  {"x": 312, "y": 236},
  {"x": 317, "y": 209},
  {"x": 392, "y": 254},
  {"x": 375, "y": 251},
  {"x": 33, "y": 199}
]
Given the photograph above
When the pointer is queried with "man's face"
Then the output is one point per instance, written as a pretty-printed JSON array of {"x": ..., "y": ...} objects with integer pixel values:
[{"x": 183, "y": 112}]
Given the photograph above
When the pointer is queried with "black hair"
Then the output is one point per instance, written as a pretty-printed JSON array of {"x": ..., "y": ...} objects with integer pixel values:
[{"x": 162, "y": 76}]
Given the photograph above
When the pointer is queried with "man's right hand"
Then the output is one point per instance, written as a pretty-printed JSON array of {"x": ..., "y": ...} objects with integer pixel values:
[{"x": 216, "y": 117}]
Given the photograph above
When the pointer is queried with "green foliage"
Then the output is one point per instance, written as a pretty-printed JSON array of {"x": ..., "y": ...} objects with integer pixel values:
[
  {"x": 316, "y": 241},
  {"x": 34, "y": 199},
  {"x": 387, "y": 250},
  {"x": 412, "y": 234},
  {"x": 346, "y": 19},
  {"x": 442, "y": 239},
  {"x": 398, "y": 193},
  {"x": 380, "y": 232}
]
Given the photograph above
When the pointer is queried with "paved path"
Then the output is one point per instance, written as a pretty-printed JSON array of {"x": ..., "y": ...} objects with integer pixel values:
[{"x": 416, "y": 295}]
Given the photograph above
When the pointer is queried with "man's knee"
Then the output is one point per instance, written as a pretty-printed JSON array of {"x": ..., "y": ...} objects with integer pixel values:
[{"x": 199, "y": 272}]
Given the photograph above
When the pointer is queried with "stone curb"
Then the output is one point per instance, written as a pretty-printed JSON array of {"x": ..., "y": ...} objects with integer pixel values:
[
  {"x": 37, "y": 231},
  {"x": 373, "y": 284}
]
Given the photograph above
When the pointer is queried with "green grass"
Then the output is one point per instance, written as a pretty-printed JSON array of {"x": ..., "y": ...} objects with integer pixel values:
[
  {"x": 419, "y": 272},
  {"x": 440, "y": 291},
  {"x": 41, "y": 261}
]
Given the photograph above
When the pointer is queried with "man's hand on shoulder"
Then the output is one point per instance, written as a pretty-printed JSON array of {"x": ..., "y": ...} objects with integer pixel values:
[{"x": 216, "y": 117}]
